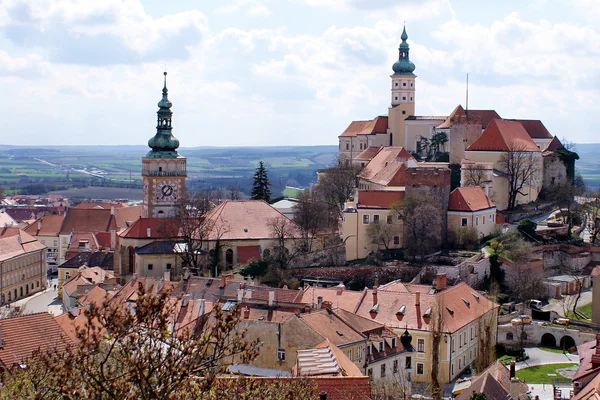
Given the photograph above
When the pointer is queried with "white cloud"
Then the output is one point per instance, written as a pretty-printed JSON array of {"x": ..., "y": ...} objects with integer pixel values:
[{"x": 253, "y": 8}]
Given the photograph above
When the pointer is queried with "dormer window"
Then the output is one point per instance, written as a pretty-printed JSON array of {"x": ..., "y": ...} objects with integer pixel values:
[
  {"x": 393, "y": 343},
  {"x": 427, "y": 313},
  {"x": 401, "y": 310},
  {"x": 375, "y": 308},
  {"x": 380, "y": 347}
]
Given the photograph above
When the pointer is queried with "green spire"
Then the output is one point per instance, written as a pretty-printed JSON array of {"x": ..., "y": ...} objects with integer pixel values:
[
  {"x": 403, "y": 66},
  {"x": 164, "y": 144}
]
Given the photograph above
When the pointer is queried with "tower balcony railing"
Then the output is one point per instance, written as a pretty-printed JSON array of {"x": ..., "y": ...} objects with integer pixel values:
[{"x": 146, "y": 172}]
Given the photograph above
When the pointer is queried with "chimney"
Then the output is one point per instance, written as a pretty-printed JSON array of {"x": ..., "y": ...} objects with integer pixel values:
[
  {"x": 512, "y": 369},
  {"x": 113, "y": 239},
  {"x": 441, "y": 281},
  {"x": 149, "y": 232},
  {"x": 374, "y": 295},
  {"x": 223, "y": 281},
  {"x": 240, "y": 295},
  {"x": 39, "y": 225},
  {"x": 201, "y": 308},
  {"x": 167, "y": 276},
  {"x": 376, "y": 283},
  {"x": 271, "y": 297},
  {"x": 417, "y": 299},
  {"x": 246, "y": 312},
  {"x": 319, "y": 302},
  {"x": 487, "y": 190},
  {"x": 323, "y": 396},
  {"x": 112, "y": 210},
  {"x": 515, "y": 388}
]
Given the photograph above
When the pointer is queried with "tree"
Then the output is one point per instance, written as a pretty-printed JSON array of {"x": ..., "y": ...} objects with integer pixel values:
[
  {"x": 311, "y": 214},
  {"x": 422, "y": 224},
  {"x": 475, "y": 175},
  {"x": 437, "y": 332},
  {"x": 592, "y": 216},
  {"x": 382, "y": 233},
  {"x": 464, "y": 237},
  {"x": 486, "y": 336},
  {"x": 563, "y": 196},
  {"x": 286, "y": 233},
  {"x": 521, "y": 168},
  {"x": 526, "y": 282},
  {"x": 134, "y": 353},
  {"x": 336, "y": 184},
  {"x": 261, "y": 186}
]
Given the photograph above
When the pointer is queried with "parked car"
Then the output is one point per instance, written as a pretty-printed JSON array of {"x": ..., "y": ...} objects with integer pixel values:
[
  {"x": 561, "y": 321},
  {"x": 537, "y": 304},
  {"x": 521, "y": 320}
]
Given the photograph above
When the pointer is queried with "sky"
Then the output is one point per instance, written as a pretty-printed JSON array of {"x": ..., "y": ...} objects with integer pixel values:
[{"x": 286, "y": 72}]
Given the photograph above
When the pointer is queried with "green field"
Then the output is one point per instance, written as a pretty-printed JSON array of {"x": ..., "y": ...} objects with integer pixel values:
[{"x": 542, "y": 373}]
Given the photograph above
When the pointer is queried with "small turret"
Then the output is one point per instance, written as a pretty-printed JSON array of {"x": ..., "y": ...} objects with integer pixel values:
[
  {"x": 403, "y": 66},
  {"x": 164, "y": 144},
  {"x": 406, "y": 339}
]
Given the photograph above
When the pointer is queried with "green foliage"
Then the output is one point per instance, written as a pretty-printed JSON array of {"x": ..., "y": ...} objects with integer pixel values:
[
  {"x": 464, "y": 237},
  {"x": 477, "y": 396},
  {"x": 255, "y": 268},
  {"x": 261, "y": 186},
  {"x": 454, "y": 176}
]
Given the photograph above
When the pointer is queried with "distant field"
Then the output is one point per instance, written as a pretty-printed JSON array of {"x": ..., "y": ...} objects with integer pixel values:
[{"x": 94, "y": 192}]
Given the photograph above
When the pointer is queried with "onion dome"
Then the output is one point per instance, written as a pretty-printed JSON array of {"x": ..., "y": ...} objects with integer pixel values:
[
  {"x": 403, "y": 66},
  {"x": 164, "y": 144},
  {"x": 406, "y": 339}
]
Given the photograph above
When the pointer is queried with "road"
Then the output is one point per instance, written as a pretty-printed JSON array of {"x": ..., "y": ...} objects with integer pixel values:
[{"x": 558, "y": 304}]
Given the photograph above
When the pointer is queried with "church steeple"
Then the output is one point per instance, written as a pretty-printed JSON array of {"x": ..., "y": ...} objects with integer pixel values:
[
  {"x": 164, "y": 144},
  {"x": 403, "y": 66}
]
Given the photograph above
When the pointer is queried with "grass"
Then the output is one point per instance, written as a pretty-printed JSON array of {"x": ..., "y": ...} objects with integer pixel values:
[
  {"x": 585, "y": 310},
  {"x": 551, "y": 349},
  {"x": 539, "y": 373}
]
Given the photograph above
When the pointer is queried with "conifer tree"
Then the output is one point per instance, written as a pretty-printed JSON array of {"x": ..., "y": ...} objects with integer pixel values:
[{"x": 260, "y": 186}]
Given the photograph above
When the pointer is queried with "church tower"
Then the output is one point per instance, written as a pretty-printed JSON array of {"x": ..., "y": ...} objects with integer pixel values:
[
  {"x": 403, "y": 94},
  {"x": 163, "y": 169}
]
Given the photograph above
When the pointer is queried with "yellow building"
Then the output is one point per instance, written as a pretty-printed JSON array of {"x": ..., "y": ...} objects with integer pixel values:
[
  {"x": 22, "y": 265},
  {"x": 470, "y": 207}
]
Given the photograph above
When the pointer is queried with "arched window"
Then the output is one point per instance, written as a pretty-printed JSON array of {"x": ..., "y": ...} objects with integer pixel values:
[
  {"x": 509, "y": 336},
  {"x": 229, "y": 258},
  {"x": 9, "y": 295},
  {"x": 131, "y": 260},
  {"x": 15, "y": 294}
]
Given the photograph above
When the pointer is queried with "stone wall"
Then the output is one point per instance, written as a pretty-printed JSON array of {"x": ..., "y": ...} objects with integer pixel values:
[
  {"x": 472, "y": 271},
  {"x": 534, "y": 332},
  {"x": 463, "y": 132},
  {"x": 330, "y": 256}
]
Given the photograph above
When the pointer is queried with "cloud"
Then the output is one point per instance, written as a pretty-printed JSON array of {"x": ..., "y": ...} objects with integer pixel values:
[
  {"x": 396, "y": 10},
  {"x": 252, "y": 8},
  {"x": 100, "y": 33}
]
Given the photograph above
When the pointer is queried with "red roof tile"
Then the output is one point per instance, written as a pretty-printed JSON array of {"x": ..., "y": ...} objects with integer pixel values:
[
  {"x": 503, "y": 135},
  {"x": 469, "y": 198},
  {"x": 554, "y": 145},
  {"x": 331, "y": 327},
  {"x": 23, "y": 335},
  {"x": 387, "y": 167},
  {"x": 159, "y": 228},
  {"x": 84, "y": 220},
  {"x": 534, "y": 127},
  {"x": 47, "y": 225},
  {"x": 486, "y": 116},
  {"x": 378, "y": 198},
  {"x": 99, "y": 206},
  {"x": 368, "y": 153},
  {"x": 376, "y": 125}
]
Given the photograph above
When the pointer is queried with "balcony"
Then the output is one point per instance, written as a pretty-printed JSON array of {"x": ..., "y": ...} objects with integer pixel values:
[{"x": 163, "y": 173}]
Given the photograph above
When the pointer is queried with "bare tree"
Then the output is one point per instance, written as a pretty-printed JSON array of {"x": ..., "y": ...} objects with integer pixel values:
[
  {"x": 382, "y": 233},
  {"x": 563, "y": 196},
  {"x": 521, "y": 168},
  {"x": 234, "y": 193},
  {"x": 437, "y": 333},
  {"x": 286, "y": 234},
  {"x": 566, "y": 267},
  {"x": 336, "y": 184},
  {"x": 475, "y": 175},
  {"x": 422, "y": 224},
  {"x": 526, "y": 282},
  {"x": 486, "y": 336},
  {"x": 592, "y": 216},
  {"x": 311, "y": 214}
]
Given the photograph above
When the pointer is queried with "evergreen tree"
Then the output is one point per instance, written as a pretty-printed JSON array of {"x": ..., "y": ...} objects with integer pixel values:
[{"x": 260, "y": 186}]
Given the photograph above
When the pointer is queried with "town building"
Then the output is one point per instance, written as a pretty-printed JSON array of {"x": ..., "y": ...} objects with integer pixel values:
[{"x": 469, "y": 207}]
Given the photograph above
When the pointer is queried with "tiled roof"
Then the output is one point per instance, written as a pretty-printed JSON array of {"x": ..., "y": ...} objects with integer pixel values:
[
  {"x": 6, "y": 219},
  {"x": 159, "y": 247},
  {"x": 99, "y": 206},
  {"x": 585, "y": 351},
  {"x": 23, "y": 335},
  {"x": 361, "y": 324},
  {"x": 159, "y": 228},
  {"x": 425, "y": 118},
  {"x": 376, "y": 125},
  {"x": 47, "y": 225},
  {"x": 485, "y": 383},
  {"x": 346, "y": 299},
  {"x": 96, "y": 259},
  {"x": 503, "y": 135},
  {"x": 554, "y": 145},
  {"x": 327, "y": 324},
  {"x": 88, "y": 237},
  {"x": 486, "y": 116},
  {"x": 15, "y": 242},
  {"x": 591, "y": 391},
  {"x": 469, "y": 198},
  {"x": 88, "y": 220},
  {"x": 125, "y": 216},
  {"x": 368, "y": 153},
  {"x": 534, "y": 127},
  {"x": 378, "y": 198},
  {"x": 324, "y": 360},
  {"x": 387, "y": 167},
  {"x": 245, "y": 219}
]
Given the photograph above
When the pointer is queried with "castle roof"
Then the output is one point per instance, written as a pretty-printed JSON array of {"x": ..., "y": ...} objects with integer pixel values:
[
  {"x": 469, "y": 198},
  {"x": 373, "y": 126},
  {"x": 504, "y": 135}
]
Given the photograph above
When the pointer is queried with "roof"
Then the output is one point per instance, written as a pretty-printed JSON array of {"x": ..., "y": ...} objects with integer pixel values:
[
  {"x": 585, "y": 351},
  {"x": 503, "y": 135},
  {"x": 345, "y": 299},
  {"x": 15, "y": 242},
  {"x": 486, "y": 116},
  {"x": 378, "y": 198},
  {"x": 495, "y": 380},
  {"x": 47, "y": 225},
  {"x": 23, "y": 335},
  {"x": 534, "y": 127},
  {"x": 554, "y": 145},
  {"x": 591, "y": 391},
  {"x": 158, "y": 228},
  {"x": 376, "y": 125},
  {"x": 425, "y": 118},
  {"x": 96, "y": 259},
  {"x": 469, "y": 198},
  {"x": 86, "y": 276},
  {"x": 125, "y": 216},
  {"x": 159, "y": 247},
  {"x": 88, "y": 220},
  {"x": 87, "y": 237},
  {"x": 325, "y": 360},
  {"x": 327, "y": 324},
  {"x": 368, "y": 153},
  {"x": 357, "y": 322},
  {"x": 6, "y": 219},
  {"x": 245, "y": 219},
  {"x": 387, "y": 167},
  {"x": 98, "y": 206}
]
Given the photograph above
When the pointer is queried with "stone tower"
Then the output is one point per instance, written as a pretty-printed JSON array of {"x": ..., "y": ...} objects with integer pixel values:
[
  {"x": 403, "y": 94},
  {"x": 163, "y": 169}
]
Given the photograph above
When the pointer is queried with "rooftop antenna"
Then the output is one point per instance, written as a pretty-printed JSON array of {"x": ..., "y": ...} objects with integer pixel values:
[{"x": 467, "y": 105}]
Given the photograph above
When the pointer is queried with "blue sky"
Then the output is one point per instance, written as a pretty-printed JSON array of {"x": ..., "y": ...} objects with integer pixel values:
[{"x": 286, "y": 72}]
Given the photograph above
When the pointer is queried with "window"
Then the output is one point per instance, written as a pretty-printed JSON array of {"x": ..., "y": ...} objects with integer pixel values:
[
  {"x": 408, "y": 363},
  {"x": 419, "y": 369},
  {"x": 390, "y": 219},
  {"x": 470, "y": 355},
  {"x": 370, "y": 372},
  {"x": 421, "y": 345},
  {"x": 383, "y": 370},
  {"x": 281, "y": 355},
  {"x": 393, "y": 343},
  {"x": 509, "y": 336},
  {"x": 66, "y": 276},
  {"x": 347, "y": 146},
  {"x": 411, "y": 85},
  {"x": 150, "y": 267},
  {"x": 395, "y": 367},
  {"x": 396, "y": 239},
  {"x": 396, "y": 84},
  {"x": 464, "y": 221},
  {"x": 476, "y": 220},
  {"x": 168, "y": 266},
  {"x": 376, "y": 219},
  {"x": 471, "y": 333},
  {"x": 410, "y": 98},
  {"x": 404, "y": 84},
  {"x": 403, "y": 111},
  {"x": 492, "y": 217},
  {"x": 380, "y": 346},
  {"x": 350, "y": 354},
  {"x": 483, "y": 220},
  {"x": 359, "y": 353},
  {"x": 365, "y": 219},
  {"x": 396, "y": 98},
  {"x": 452, "y": 369},
  {"x": 403, "y": 97}
]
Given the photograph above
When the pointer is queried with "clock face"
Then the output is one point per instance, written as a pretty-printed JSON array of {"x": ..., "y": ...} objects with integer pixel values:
[{"x": 167, "y": 191}]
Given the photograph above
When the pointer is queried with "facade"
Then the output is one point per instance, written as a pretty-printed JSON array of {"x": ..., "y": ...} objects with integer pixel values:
[
  {"x": 163, "y": 169},
  {"x": 46, "y": 230},
  {"x": 470, "y": 207},
  {"x": 22, "y": 265}
]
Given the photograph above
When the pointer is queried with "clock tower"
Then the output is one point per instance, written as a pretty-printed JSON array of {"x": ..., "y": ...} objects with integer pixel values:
[{"x": 163, "y": 169}]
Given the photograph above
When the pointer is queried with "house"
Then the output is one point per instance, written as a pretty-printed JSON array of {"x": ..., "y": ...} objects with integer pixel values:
[
  {"x": 326, "y": 359},
  {"x": 470, "y": 207},
  {"x": 82, "y": 282},
  {"x": 22, "y": 263},
  {"x": 371, "y": 207},
  {"x": 496, "y": 381},
  {"x": 46, "y": 230},
  {"x": 586, "y": 381},
  {"x": 386, "y": 170},
  {"x": 101, "y": 259}
]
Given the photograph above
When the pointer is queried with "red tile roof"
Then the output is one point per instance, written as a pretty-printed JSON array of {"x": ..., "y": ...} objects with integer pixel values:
[
  {"x": 125, "y": 216},
  {"x": 387, "y": 167},
  {"x": 99, "y": 206},
  {"x": 378, "y": 198},
  {"x": 23, "y": 335},
  {"x": 47, "y": 225},
  {"x": 554, "y": 145},
  {"x": 331, "y": 327},
  {"x": 88, "y": 220},
  {"x": 486, "y": 116},
  {"x": 376, "y": 125},
  {"x": 15, "y": 242},
  {"x": 368, "y": 153},
  {"x": 159, "y": 228},
  {"x": 469, "y": 198},
  {"x": 503, "y": 135},
  {"x": 534, "y": 127}
]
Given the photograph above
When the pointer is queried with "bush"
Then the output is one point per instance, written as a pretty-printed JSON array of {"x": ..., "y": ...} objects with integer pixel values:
[
  {"x": 255, "y": 268},
  {"x": 464, "y": 237},
  {"x": 528, "y": 227}
]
